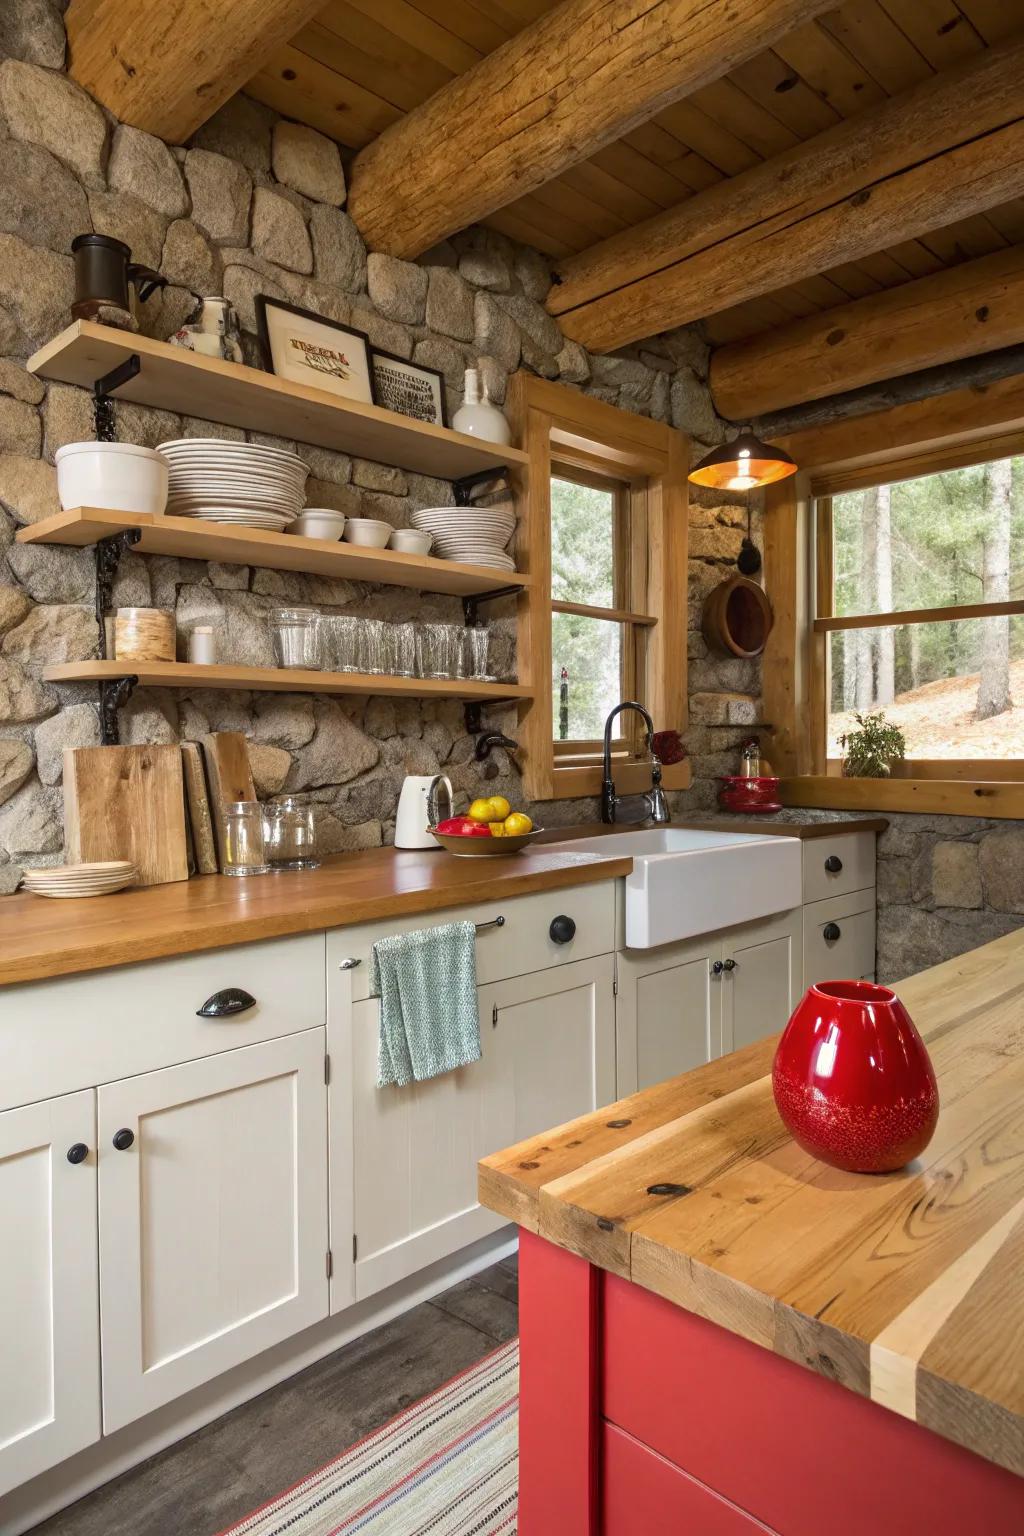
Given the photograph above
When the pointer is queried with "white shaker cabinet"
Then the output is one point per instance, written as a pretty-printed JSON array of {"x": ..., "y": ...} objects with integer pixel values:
[
  {"x": 49, "y": 1307},
  {"x": 213, "y": 1217},
  {"x": 761, "y": 979},
  {"x": 548, "y": 1054}
]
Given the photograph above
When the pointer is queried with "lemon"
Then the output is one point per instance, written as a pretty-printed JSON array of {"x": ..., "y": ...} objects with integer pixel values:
[
  {"x": 499, "y": 808},
  {"x": 497, "y": 829},
  {"x": 517, "y": 824},
  {"x": 481, "y": 810}
]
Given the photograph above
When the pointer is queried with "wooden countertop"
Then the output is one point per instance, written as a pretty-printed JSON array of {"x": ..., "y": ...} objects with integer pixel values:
[
  {"x": 43, "y": 938},
  {"x": 905, "y": 1287}
]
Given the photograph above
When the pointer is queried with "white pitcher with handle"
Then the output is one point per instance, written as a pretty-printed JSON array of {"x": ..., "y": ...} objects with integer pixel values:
[{"x": 425, "y": 800}]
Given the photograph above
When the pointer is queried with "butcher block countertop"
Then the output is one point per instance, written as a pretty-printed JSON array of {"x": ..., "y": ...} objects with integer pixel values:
[
  {"x": 40, "y": 938},
  {"x": 907, "y": 1288}
]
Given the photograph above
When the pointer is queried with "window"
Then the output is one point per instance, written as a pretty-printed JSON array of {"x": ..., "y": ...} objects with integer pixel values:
[
  {"x": 595, "y": 637},
  {"x": 602, "y": 539},
  {"x": 941, "y": 557}
]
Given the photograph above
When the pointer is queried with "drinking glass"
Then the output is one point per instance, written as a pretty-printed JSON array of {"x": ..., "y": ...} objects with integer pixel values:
[
  {"x": 453, "y": 650},
  {"x": 341, "y": 632},
  {"x": 400, "y": 650},
  {"x": 296, "y": 634},
  {"x": 371, "y": 645},
  {"x": 477, "y": 647},
  {"x": 430, "y": 650}
]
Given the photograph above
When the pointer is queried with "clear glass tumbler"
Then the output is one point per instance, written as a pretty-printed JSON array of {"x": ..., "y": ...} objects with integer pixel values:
[
  {"x": 400, "y": 650},
  {"x": 453, "y": 645},
  {"x": 289, "y": 833},
  {"x": 341, "y": 642},
  {"x": 430, "y": 650},
  {"x": 371, "y": 645},
  {"x": 477, "y": 647},
  {"x": 296, "y": 633},
  {"x": 244, "y": 850}
]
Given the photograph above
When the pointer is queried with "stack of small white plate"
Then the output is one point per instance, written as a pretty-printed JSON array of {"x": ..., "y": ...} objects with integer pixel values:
[
  {"x": 474, "y": 535},
  {"x": 242, "y": 483},
  {"x": 81, "y": 879}
]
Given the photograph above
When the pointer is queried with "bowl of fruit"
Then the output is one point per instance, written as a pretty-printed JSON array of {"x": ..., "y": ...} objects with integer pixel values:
[{"x": 491, "y": 829}]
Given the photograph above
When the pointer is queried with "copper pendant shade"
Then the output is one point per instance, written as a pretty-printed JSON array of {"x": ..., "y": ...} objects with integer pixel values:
[{"x": 745, "y": 464}]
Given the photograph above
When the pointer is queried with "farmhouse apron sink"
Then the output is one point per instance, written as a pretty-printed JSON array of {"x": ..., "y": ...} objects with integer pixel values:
[{"x": 685, "y": 883}]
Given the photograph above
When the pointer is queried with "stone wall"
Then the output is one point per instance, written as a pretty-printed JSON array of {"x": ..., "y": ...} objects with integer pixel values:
[{"x": 252, "y": 205}]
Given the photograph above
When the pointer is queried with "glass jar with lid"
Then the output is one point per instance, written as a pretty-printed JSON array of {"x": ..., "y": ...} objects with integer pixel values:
[
  {"x": 289, "y": 834},
  {"x": 244, "y": 852}
]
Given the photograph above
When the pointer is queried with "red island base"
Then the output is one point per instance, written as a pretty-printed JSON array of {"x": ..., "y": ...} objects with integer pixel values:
[{"x": 638, "y": 1418}]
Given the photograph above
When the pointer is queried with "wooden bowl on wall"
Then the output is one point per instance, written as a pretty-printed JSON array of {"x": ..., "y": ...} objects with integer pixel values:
[{"x": 737, "y": 618}]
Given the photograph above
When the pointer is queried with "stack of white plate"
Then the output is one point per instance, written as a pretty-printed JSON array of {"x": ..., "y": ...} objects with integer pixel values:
[
  {"x": 474, "y": 535},
  {"x": 242, "y": 483},
  {"x": 81, "y": 879}
]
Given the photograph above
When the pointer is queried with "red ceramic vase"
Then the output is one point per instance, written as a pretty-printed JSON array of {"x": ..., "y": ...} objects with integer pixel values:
[{"x": 852, "y": 1079}]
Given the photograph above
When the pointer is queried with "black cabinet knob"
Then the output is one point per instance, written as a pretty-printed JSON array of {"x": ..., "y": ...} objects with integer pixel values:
[
  {"x": 562, "y": 929},
  {"x": 123, "y": 1139},
  {"x": 728, "y": 965},
  {"x": 78, "y": 1153},
  {"x": 717, "y": 968},
  {"x": 833, "y": 864},
  {"x": 831, "y": 932},
  {"x": 222, "y": 1004}
]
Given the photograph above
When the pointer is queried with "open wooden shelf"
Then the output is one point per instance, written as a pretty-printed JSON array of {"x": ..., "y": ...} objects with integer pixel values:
[
  {"x": 180, "y": 674},
  {"x": 195, "y": 540},
  {"x": 173, "y": 379}
]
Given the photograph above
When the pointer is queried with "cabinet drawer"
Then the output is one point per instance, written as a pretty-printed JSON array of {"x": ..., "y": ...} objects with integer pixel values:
[
  {"x": 641, "y": 1492},
  {"x": 75, "y": 1031},
  {"x": 521, "y": 945},
  {"x": 839, "y": 939},
  {"x": 855, "y": 854}
]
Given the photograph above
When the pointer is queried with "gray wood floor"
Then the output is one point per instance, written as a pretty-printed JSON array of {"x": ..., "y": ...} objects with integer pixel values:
[{"x": 218, "y": 1475}]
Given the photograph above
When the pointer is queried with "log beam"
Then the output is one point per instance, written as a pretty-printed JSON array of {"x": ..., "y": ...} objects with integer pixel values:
[
  {"x": 578, "y": 78},
  {"x": 959, "y": 313},
  {"x": 167, "y": 67},
  {"x": 947, "y": 149}
]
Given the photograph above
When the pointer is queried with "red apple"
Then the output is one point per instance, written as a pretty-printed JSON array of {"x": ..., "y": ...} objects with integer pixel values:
[{"x": 464, "y": 826}]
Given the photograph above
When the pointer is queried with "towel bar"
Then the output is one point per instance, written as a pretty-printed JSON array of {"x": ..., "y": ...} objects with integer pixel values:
[{"x": 354, "y": 960}]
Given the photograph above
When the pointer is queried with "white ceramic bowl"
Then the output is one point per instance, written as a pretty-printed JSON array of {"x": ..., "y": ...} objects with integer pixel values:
[
  {"x": 367, "y": 530},
  {"x": 319, "y": 523},
  {"x": 410, "y": 541},
  {"x": 118, "y": 476}
]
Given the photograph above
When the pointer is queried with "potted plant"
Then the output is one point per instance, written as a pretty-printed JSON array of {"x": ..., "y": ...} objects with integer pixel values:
[{"x": 869, "y": 753}]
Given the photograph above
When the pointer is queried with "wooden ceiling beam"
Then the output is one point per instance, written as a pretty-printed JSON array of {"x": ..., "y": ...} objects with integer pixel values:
[
  {"x": 962, "y": 312},
  {"x": 167, "y": 67},
  {"x": 945, "y": 150},
  {"x": 575, "y": 80}
]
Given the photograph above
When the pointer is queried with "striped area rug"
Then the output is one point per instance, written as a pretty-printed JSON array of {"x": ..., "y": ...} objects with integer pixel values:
[{"x": 447, "y": 1466}]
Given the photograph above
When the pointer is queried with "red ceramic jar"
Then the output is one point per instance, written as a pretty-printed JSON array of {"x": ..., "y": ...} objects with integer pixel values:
[{"x": 852, "y": 1079}]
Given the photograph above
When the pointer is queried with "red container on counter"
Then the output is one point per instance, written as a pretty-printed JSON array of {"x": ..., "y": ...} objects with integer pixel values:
[
  {"x": 852, "y": 1078},
  {"x": 752, "y": 796}
]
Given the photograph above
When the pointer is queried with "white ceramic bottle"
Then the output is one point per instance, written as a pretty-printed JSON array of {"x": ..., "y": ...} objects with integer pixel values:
[{"x": 478, "y": 415}]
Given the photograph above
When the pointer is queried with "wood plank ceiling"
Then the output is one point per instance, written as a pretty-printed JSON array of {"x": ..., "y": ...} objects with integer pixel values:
[{"x": 362, "y": 64}]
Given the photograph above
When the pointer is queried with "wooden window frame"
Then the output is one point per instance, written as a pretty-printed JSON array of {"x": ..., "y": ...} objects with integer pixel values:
[
  {"x": 561, "y": 428},
  {"x": 945, "y": 432}
]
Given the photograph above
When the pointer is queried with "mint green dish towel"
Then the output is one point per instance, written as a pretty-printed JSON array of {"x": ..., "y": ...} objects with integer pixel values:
[{"x": 429, "y": 1022}]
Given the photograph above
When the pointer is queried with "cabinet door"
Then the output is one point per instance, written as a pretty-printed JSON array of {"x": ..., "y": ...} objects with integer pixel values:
[
  {"x": 761, "y": 978},
  {"x": 547, "y": 1043},
  {"x": 213, "y": 1221},
  {"x": 556, "y": 1042},
  {"x": 839, "y": 939},
  {"x": 414, "y": 1156},
  {"x": 49, "y": 1299},
  {"x": 668, "y": 1013}
]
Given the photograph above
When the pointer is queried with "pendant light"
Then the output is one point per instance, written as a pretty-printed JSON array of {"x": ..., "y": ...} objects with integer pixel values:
[{"x": 745, "y": 464}]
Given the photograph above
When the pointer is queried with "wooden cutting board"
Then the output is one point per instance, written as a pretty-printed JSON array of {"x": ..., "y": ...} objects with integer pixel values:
[
  {"x": 228, "y": 777},
  {"x": 197, "y": 802},
  {"x": 127, "y": 803}
]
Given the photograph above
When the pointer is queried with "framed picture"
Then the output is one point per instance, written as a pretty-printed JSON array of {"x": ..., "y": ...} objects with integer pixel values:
[
  {"x": 408, "y": 388},
  {"x": 309, "y": 349}
]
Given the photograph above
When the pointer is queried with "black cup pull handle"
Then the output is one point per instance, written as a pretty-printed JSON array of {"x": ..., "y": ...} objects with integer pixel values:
[
  {"x": 833, "y": 864},
  {"x": 562, "y": 930},
  {"x": 78, "y": 1153},
  {"x": 123, "y": 1139},
  {"x": 223, "y": 1004},
  {"x": 831, "y": 932}
]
